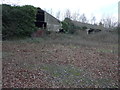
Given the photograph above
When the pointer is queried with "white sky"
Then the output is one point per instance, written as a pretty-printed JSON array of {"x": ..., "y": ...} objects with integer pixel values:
[{"x": 97, "y": 8}]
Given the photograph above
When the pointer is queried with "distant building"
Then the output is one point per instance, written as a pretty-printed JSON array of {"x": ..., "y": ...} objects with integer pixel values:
[
  {"x": 80, "y": 24},
  {"x": 47, "y": 21}
]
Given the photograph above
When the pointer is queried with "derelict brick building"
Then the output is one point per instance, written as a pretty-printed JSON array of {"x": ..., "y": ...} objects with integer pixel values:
[{"x": 47, "y": 21}]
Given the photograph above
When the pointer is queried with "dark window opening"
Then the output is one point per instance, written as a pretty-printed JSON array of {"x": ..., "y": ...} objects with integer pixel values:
[
  {"x": 40, "y": 15},
  {"x": 41, "y": 24},
  {"x": 40, "y": 19}
]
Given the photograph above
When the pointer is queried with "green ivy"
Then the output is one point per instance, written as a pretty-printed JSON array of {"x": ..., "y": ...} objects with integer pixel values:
[{"x": 18, "y": 21}]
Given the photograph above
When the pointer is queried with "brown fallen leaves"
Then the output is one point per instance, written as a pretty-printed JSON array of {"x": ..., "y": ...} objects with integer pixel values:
[{"x": 21, "y": 68}]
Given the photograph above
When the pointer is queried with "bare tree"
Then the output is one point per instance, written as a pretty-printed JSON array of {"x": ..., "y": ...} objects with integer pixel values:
[
  {"x": 75, "y": 16},
  {"x": 51, "y": 11},
  {"x": 114, "y": 22},
  {"x": 100, "y": 23},
  {"x": 109, "y": 22},
  {"x": 58, "y": 15},
  {"x": 67, "y": 14},
  {"x": 16, "y": 2},
  {"x": 83, "y": 18},
  {"x": 93, "y": 20}
]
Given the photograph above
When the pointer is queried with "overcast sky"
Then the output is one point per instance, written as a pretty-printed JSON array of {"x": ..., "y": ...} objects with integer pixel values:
[{"x": 98, "y": 8}]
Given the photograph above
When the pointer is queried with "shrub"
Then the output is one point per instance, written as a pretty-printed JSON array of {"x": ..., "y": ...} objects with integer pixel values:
[
  {"x": 65, "y": 26},
  {"x": 84, "y": 27},
  {"x": 18, "y": 21},
  {"x": 68, "y": 26}
]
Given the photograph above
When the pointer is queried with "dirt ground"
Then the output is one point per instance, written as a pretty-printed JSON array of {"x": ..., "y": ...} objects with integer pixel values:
[{"x": 61, "y": 60}]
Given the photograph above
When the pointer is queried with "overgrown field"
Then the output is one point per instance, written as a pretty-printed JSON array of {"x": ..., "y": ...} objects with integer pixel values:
[{"x": 62, "y": 60}]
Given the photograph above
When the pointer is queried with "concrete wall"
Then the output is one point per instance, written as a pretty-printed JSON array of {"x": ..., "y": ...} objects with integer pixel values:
[{"x": 53, "y": 24}]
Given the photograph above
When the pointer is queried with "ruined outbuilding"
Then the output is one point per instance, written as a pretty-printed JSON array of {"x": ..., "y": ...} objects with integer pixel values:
[
  {"x": 80, "y": 24},
  {"x": 46, "y": 21}
]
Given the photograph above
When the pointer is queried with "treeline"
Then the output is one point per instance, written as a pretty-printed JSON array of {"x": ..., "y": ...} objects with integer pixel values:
[
  {"x": 18, "y": 21},
  {"x": 107, "y": 21}
]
